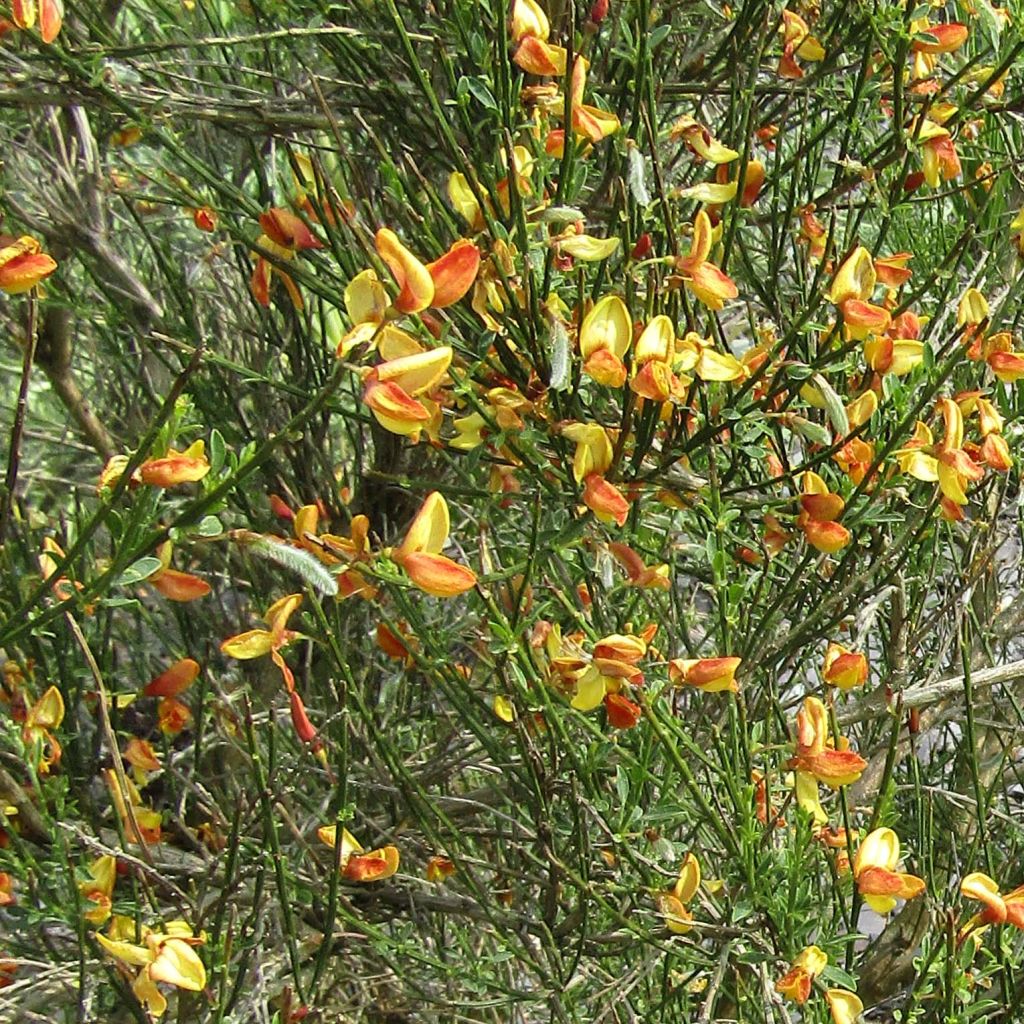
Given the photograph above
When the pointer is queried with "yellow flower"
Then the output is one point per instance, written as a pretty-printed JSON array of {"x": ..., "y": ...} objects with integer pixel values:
[
  {"x": 166, "y": 957},
  {"x": 673, "y": 904}
]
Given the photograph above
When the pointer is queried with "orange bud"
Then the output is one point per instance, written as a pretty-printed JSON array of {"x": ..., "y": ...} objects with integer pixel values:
[
  {"x": 205, "y": 218},
  {"x": 300, "y": 720},
  {"x": 178, "y": 678},
  {"x": 622, "y": 713},
  {"x": 51, "y": 17},
  {"x": 179, "y": 586}
]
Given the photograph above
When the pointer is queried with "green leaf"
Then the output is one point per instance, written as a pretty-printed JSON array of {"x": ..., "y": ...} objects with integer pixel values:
[
  {"x": 139, "y": 571},
  {"x": 210, "y": 527},
  {"x": 478, "y": 87},
  {"x": 217, "y": 451}
]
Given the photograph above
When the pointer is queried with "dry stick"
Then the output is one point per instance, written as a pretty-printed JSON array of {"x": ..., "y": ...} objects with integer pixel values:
[
  {"x": 14, "y": 454},
  {"x": 929, "y": 693},
  {"x": 108, "y": 732}
]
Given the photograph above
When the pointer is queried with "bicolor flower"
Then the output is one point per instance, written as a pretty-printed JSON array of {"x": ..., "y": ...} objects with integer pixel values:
[
  {"x": 709, "y": 284},
  {"x": 875, "y": 870},
  {"x": 357, "y": 864},
  {"x": 819, "y": 510},
  {"x": 176, "y": 467},
  {"x": 23, "y": 264},
  {"x": 796, "y": 983},
  {"x": 394, "y": 390},
  {"x": 999, "y": 908},
  {"x": 436, "y": 284},
  {"x": 797, "y": 41},
  {"x": 712, "y": 675},
  {"x": 818, "y": 758},
  {"x": 41, "y": 719},
  {"x": 99, "y": 889},
  {"x": 256, "y": 643},
  {"x": 844, "y": 668},
  {"x": 605, "y": 336},
  {"x": 420, "y": 552},
  {"x": 613, "y": 664},
  {"x": 174, "y": 584},
  {"x": 638, "y": 573},
  {"x": 589, "y": 121}
]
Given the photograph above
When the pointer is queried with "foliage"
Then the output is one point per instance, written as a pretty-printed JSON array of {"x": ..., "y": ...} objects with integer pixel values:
[{"x": 511, "y": 511}]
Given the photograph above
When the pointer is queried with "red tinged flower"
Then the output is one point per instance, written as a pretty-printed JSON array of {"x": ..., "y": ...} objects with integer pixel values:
[
  {"x": 205, "y": 218},
  {"x": 287, "y": 229},
  {"x": 622, "y": 712},
  {"x": 22, "y": 264}
]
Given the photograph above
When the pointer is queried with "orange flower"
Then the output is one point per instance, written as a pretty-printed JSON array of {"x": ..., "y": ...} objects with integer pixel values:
[
  {"x": 175, "y": 585},
  {"x": 453, "y": 273},
  {"x": 420, "y": 553},
  {"x": 622, "y": 712},
  {"x": 639, "y": 574},
  {"x": 439, "y": 869},
  {"x": 605, "y": 500},
  {"x": 939, "y": 38},
  {"x": 796, "y": 983},
  {"x": 438, "y": 284},
  {"x": 175, "y": 680},
  {"x": 357, "y": 865},
  {"x": 820, "y": 509},
  {"x": 815, "y": 753},
  {"x": 172, "y": 716},
  {"x": 874, "y": 868},
  {"x": 712, "y": 675},
  {"x": 175, "y": 467},
  {"x": 592, "y": 122},
  {"x": 205, "y": 218},
  {"x": 22, "y": 264},
  {"x": 844, "y": 668},
  {"x": 707, "y": 282}
]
